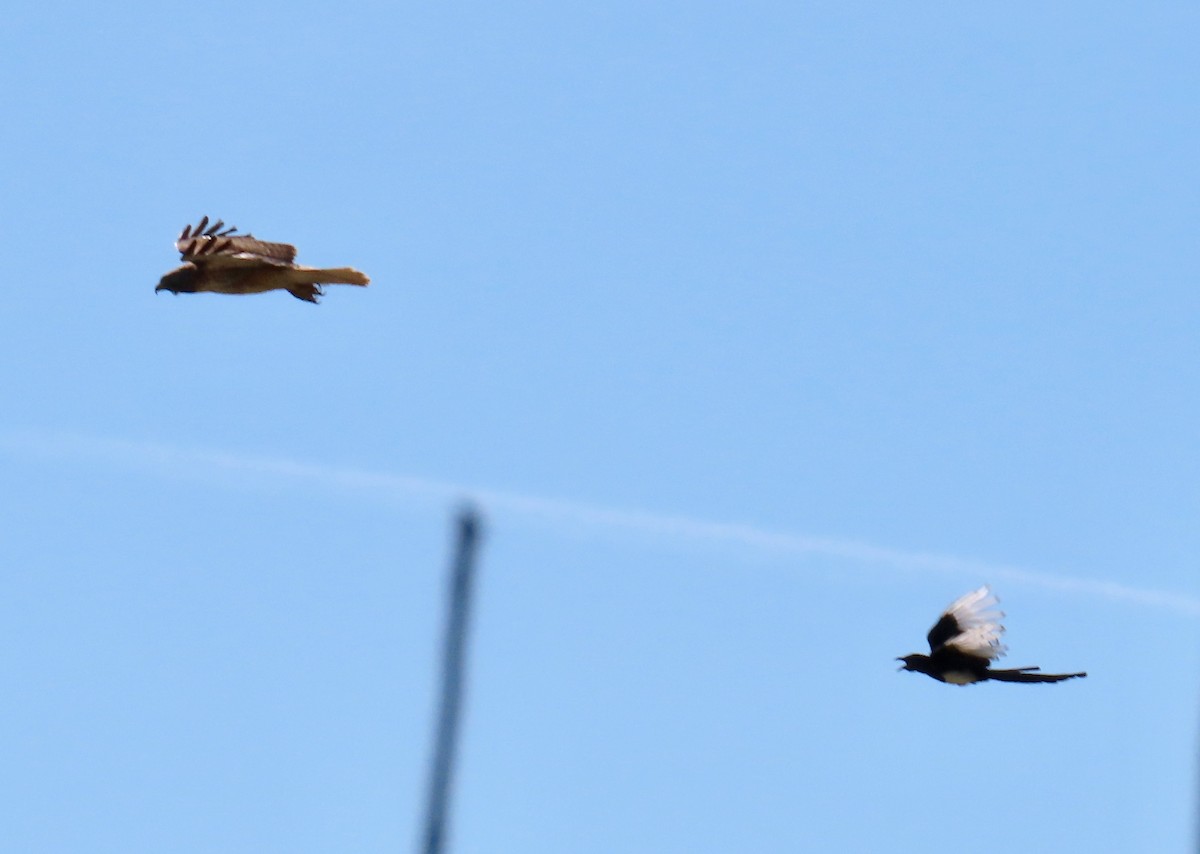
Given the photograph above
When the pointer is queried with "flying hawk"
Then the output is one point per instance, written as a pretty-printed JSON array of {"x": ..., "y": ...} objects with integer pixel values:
[
  {"x": 217, "y": 259},
  {"x": 966, "y": 640}
]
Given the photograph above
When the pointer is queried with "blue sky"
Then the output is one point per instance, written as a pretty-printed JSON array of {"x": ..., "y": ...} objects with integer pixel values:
[{"x": 759, "y": 333}]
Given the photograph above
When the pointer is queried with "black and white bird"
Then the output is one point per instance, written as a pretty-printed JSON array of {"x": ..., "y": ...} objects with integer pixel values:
[{"x": 966, "y": 640}]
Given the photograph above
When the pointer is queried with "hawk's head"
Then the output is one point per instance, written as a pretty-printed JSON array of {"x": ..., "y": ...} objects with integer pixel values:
[{"x": 181, "y": 280}]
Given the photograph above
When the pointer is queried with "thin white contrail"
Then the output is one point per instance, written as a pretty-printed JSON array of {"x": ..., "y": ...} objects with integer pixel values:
[{"x": 191, "y": 463}]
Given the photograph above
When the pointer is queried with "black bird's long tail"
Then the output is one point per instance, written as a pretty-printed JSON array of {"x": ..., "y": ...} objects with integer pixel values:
[{"x": 1024, "y": 674}]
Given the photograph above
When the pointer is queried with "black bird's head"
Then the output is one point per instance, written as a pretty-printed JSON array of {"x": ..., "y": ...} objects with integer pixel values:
[
  {"x": 916, "y": 661},
  {"x": 181, "y": 280}
]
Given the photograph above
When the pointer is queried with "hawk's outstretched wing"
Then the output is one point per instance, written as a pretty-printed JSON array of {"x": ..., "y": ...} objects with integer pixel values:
[{"x": 216, "y": 245}]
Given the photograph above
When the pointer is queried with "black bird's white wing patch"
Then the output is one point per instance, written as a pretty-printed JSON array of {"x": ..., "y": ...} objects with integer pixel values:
[{"x": 970, "y": 626}]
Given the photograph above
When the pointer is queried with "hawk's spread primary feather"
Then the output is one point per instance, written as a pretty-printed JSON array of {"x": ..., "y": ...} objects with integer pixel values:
[{"x": 219, "y": 260}]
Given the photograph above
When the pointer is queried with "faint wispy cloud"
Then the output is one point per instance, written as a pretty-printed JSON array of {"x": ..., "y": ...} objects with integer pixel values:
[{"x": 192, "y": 463}]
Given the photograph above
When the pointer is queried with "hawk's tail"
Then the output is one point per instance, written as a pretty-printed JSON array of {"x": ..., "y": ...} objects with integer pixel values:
[
  {"x": 1023, "y": 674},
  {"x": 335, "y": 276},
  {"x": 306, "y": 281}
]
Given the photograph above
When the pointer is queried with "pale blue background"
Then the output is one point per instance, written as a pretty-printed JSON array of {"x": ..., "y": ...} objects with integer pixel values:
[{"x": 922, "y": 277}]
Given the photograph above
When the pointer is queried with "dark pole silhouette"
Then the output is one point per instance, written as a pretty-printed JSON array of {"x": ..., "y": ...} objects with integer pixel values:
[{"x": 453, "y": 655}]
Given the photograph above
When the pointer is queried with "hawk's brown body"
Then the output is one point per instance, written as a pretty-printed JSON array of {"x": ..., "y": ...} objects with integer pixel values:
[{"x": 220, "y": 261}]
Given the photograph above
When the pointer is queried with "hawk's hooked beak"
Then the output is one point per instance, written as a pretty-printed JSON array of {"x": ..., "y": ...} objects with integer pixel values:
[{"x": 165, "y": 288}]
